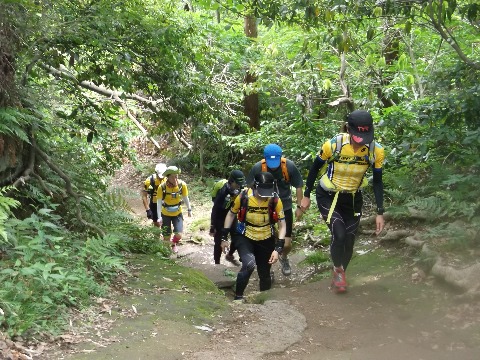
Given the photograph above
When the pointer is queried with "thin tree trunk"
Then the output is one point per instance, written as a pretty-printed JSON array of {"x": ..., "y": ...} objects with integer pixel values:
[{"x": 251, "y": 103}]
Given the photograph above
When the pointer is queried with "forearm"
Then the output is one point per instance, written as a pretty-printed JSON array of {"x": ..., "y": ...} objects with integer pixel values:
[
  {"x": 312, "y": 175},
  {"x": 229, "y": 220},
  {"x": 186, "y": 202},
  {"x": 378, "y": 187}
]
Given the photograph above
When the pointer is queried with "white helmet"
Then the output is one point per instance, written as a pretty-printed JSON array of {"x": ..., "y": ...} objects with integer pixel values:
[{"x": 160, "y": 169}]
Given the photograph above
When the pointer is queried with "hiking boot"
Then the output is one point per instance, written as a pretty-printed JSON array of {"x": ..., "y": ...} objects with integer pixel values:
[
  {"x": 339, "y": 283},
  {"x": 285, "y": 263},
  {"x": 175, "y": 248}
]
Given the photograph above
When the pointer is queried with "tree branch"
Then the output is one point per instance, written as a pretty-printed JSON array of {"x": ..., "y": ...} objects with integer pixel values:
[{"x": 68, "y": 186}]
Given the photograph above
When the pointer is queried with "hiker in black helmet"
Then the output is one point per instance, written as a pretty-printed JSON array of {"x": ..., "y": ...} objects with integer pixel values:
[
  {"x": 257, "y": 209},
  {"x": 346, "y": 158},
  {"x": 222, "y": 202}
]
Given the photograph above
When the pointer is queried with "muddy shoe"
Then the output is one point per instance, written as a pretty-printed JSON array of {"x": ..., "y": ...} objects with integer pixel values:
[
  {"x": 339, "y": 283},
  {"x": 285, "y": 263}
]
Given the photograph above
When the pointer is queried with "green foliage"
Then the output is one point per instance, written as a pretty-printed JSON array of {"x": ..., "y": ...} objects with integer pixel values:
[
  {"x": 41, "y": 275},
  {"x": 316, "y": 259},
  {"x": 6, "y": 204}
]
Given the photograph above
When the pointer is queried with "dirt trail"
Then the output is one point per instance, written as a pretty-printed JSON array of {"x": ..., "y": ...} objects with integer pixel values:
[{"x": 383, "y": 315}]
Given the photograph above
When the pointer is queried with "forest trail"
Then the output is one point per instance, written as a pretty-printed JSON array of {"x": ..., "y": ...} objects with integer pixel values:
[{"x": 384, "y": 314}]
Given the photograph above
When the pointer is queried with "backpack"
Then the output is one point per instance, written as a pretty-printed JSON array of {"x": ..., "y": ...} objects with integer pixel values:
[
  {"x": 163, "y": 185},
  {"x": 152, "y": 189},
  {"x": 338, "y": 150},
  {"x": 283, "y": 164},
  {"x": 242, "y": 213},
  {"x": 216, "y": 188}
]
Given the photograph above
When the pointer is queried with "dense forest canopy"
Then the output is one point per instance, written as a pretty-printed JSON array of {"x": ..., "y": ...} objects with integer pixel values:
[{"x": 216, "y": 80}]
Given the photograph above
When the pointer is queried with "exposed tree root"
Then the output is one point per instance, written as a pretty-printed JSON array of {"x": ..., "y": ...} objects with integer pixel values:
[{"x": 465, "y": 279}]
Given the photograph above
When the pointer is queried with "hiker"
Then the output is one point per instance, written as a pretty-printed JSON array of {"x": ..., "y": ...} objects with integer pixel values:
[
  {"x": 222, "y": 202},
  {"x": 149, "y": 194},
  {"x": 257, "y": 208},
  {"x": 171, "y": 194},
  {"x": 286, "y": 175},
  {"x": 339, "y": 196}
]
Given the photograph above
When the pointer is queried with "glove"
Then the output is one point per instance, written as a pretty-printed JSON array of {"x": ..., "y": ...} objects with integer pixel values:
[
  {"x": 225, "y": 232},
  {"x": 279, "y": 246},
  {"x": 149, "y": 214}
]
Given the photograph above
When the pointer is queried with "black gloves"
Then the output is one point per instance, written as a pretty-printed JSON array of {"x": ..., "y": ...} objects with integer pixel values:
[
  {"x": 279, "y": 246},
  {"x": 149, "y": 214},
  {"x": 225, "y": 232}
]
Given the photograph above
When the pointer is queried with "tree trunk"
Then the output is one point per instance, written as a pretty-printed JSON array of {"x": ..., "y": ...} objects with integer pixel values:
[{"x": 251, "y": 107}]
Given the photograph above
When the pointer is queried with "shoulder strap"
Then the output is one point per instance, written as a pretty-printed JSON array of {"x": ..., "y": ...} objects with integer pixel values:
[
  {"x": 242, "y": 213},
  {"x": 283, "y": 164},
  {"x": 152, "y": 185},
  {"x": 371, "y": 153},
  {"x": 272, "y": 214},
  {"x": 338, "y": 149},
  {"x": 264, "y": 165}
]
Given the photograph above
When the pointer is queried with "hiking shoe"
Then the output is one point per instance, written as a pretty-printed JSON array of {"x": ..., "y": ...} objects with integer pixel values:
[
  {"x": 286, "y": 269},
  {"x": 175, "y": 248},
  {"x": 238, "y": 300},
  {"x": 339, "y": 283}
]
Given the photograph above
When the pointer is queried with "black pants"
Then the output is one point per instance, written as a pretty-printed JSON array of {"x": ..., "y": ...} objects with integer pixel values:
[
  {"x": 253, "y": 254},
  {"x": 343, "y": 223}
]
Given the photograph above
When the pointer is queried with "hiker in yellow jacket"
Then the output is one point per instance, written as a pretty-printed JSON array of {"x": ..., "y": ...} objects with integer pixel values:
[
  {"x": 257, "y": 210},
  {"x": 339, "y": 198},
  {"x": 172, "y": 193}
]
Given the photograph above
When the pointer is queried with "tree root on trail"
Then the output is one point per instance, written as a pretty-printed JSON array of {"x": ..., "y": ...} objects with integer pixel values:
[{"x": 465, "y": 279}]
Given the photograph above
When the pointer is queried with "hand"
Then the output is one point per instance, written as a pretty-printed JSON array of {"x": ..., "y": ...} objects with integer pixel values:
[
  {"x": 380, "y": 221},
  {"x": 149, "y": 214},
  {"x": 299, "y": 213},
  {"x": 158, "y": 223},
  {"x": 225, "y": 245},
  {"x": 274, "y": 257},
  {"x": 305, "y": 203},
  {"x": 212, "y": 231}
]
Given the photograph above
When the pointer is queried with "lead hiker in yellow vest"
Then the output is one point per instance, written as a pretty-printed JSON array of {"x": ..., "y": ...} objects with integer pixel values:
[
  {"x": 257, "y": 209},
  {"x": 338, "y": 194},
  {"x": 149, "y": 193},
  {"x": 287, "y": 176},
  {"x": 172, "y": 193}
]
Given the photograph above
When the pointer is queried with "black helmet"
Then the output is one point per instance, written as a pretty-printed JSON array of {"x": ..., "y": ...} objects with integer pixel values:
[{"x": 264, "y": 184}]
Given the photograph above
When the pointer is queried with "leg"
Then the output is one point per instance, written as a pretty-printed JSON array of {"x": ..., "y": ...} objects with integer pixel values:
[
  {"x": 177, "y": 222},
  {"x": 352, "y": 220},
  {"x": 217, "y": 250},
  {"x": 245, "y": 250},
  {"x": 284, "y": 262},
  {"x": 153, "y": 208},
  {"x": 263, "y": 251}
]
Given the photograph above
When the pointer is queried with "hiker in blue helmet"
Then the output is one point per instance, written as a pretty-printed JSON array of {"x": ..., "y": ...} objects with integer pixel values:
[{"x": 287, "y": 176}]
